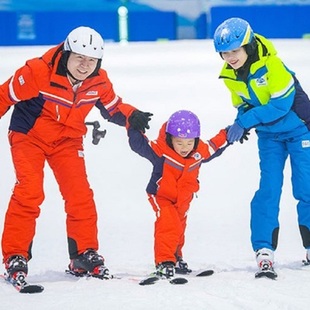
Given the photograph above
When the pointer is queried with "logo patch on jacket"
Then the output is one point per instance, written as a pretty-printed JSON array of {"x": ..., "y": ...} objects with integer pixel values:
[
  {"x": 305, "y": 143},
  {"x": 261, "y": 81},
  {"x": 197, "y": 156},
  {"x": 80, "y": 153},
  {"x": 21, "y": 80},
  {"x": 92, "y": 93}
]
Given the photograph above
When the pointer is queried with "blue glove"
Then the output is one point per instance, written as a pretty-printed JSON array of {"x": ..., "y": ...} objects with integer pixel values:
[{"x": 235, "y": 132}]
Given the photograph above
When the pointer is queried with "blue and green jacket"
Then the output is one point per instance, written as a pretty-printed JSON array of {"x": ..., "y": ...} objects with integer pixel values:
[{"x": 269, "y": 96}]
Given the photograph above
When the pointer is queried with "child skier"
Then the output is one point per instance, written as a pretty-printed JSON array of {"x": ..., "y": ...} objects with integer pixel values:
[{"x": 176, "y": 155}]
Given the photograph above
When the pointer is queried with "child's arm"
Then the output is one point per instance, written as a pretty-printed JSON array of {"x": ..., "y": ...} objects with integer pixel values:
[
  {"x": 219, "y": 140},
  {"x": 140, "y": 144},
  {"x": 217, "y": 145}
]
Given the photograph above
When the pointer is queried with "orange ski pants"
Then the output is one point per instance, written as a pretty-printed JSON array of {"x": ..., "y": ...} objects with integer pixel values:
[
  {"x": 65, "y": 158},
  {"x": 170, "y": 225}
]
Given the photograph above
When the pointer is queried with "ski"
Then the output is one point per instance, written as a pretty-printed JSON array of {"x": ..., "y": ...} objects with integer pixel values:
[
  {"x": 21, "y": 285},
  {"x": 90, "y": 275},
  {"x": 149, "y": 280},
  {"x": 178, "y": 281},
  {"x": 306, "y": 262},
  {"x": 154, "y": 279},
  {"x": 270, "y": 274},
  {"x": 204, "y": 273}
]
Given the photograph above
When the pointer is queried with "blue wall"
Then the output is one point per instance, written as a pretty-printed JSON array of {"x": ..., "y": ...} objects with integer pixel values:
[
  {"x": 151, "y": 26},
  {"x": 273, "y": 21},
  {"x": 27, "y": 23},
  {"x": 48, "y": 28},
  {"x": 47, "y": 22}
]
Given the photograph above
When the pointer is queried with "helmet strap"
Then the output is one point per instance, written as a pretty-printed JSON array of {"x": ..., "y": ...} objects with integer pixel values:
[
  {"x": 243, "y": 72},
  {"x": 169, "y": 140},
  {"x": 251, "y": 47},
  {"x": 64, "y": 60},
  {"x": 76, "y": 81}
]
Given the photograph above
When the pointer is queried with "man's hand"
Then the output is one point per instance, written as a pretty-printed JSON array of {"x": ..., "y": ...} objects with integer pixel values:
[{"x": 139, "y": 120}]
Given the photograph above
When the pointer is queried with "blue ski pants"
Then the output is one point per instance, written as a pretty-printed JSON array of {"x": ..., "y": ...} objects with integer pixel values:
[{"x": 265, "y": 204}]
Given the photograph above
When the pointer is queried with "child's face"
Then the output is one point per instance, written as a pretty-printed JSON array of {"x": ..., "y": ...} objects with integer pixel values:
[
  {"x": 235, "y": 58},
  {"x": 183, "y": 146}
]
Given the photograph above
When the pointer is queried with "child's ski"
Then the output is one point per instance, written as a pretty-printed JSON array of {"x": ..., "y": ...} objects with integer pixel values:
[
  {"x": 152, "y": 279},
  {"x": 204, "y": 273}
]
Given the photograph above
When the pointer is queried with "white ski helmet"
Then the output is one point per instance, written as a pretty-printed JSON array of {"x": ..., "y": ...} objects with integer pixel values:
[{"x": 85, "y": 41}]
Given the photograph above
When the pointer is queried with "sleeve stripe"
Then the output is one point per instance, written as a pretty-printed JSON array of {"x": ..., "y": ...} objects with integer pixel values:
[
  {"x": 112, "y": 103},
  {"x": 284, "y": 91},
  {"x": 11, "y": 91}
]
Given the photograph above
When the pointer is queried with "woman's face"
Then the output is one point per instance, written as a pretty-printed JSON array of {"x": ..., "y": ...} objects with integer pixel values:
[
  {"x": 235, "y": 58},
  {"x": 81, "y": 66}
]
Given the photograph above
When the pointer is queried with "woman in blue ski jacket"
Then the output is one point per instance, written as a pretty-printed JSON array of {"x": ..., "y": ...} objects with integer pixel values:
[{"x": 269, "y": 98}]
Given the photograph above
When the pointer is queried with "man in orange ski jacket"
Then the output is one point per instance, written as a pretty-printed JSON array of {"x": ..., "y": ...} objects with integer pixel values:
[{"x": 52, "y": 95}]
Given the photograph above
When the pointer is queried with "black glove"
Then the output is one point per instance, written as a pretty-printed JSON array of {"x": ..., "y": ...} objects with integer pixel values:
[
  {"x": 139, "y": 120},
  {"x": 245, "y": 136}
]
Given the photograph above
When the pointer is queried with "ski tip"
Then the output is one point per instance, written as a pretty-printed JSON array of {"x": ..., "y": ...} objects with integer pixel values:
[
  {"x": 178, "y": 281},
  {"x": 31, "y": 289},
  {"x": 266, "y": 274},
  {"x": 205, "y": 273},
  {"x": 149, "y": 281}
]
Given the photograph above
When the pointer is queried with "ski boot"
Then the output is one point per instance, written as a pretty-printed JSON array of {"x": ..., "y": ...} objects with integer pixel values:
[
  {"x": 16, "y": 270},
  {"x": 264, "y": 259},
  {"x": 89, "y": 263},
  {"x": 165, "y": 270},
  {"x": 306, "y": 261},
  {"x": 181, "y": 267}
]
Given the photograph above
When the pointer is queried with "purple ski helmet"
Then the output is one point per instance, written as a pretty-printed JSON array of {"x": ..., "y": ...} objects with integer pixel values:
[{"x": 184, "y": 124}]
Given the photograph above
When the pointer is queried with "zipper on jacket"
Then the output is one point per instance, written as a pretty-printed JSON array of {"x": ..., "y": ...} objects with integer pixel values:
[{"x": 57, "y": 112}]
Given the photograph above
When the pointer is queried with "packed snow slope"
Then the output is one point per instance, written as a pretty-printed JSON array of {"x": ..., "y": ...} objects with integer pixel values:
[{"x": 162, "y": 77}]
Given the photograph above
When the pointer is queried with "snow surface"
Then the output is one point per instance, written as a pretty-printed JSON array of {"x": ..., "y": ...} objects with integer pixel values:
[{"x": 163, "y": 77}]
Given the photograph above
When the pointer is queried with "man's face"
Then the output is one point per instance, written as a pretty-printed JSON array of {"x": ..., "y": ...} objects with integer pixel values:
[{"x": 81, "y": 66}]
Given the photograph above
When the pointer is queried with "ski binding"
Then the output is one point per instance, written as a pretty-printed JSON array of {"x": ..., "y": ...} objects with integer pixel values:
[{"x": 88, "y": 274}]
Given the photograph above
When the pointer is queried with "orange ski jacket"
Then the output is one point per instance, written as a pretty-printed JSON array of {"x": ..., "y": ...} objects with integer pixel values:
[
  {"x": 45, "y": 105},
  {"x": 174, "y": 177}
]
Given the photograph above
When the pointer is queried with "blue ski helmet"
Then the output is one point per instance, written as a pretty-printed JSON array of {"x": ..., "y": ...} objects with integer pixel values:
[
  {"x": 183, "y": 124},
  {"x": 232, "y": 34}
]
